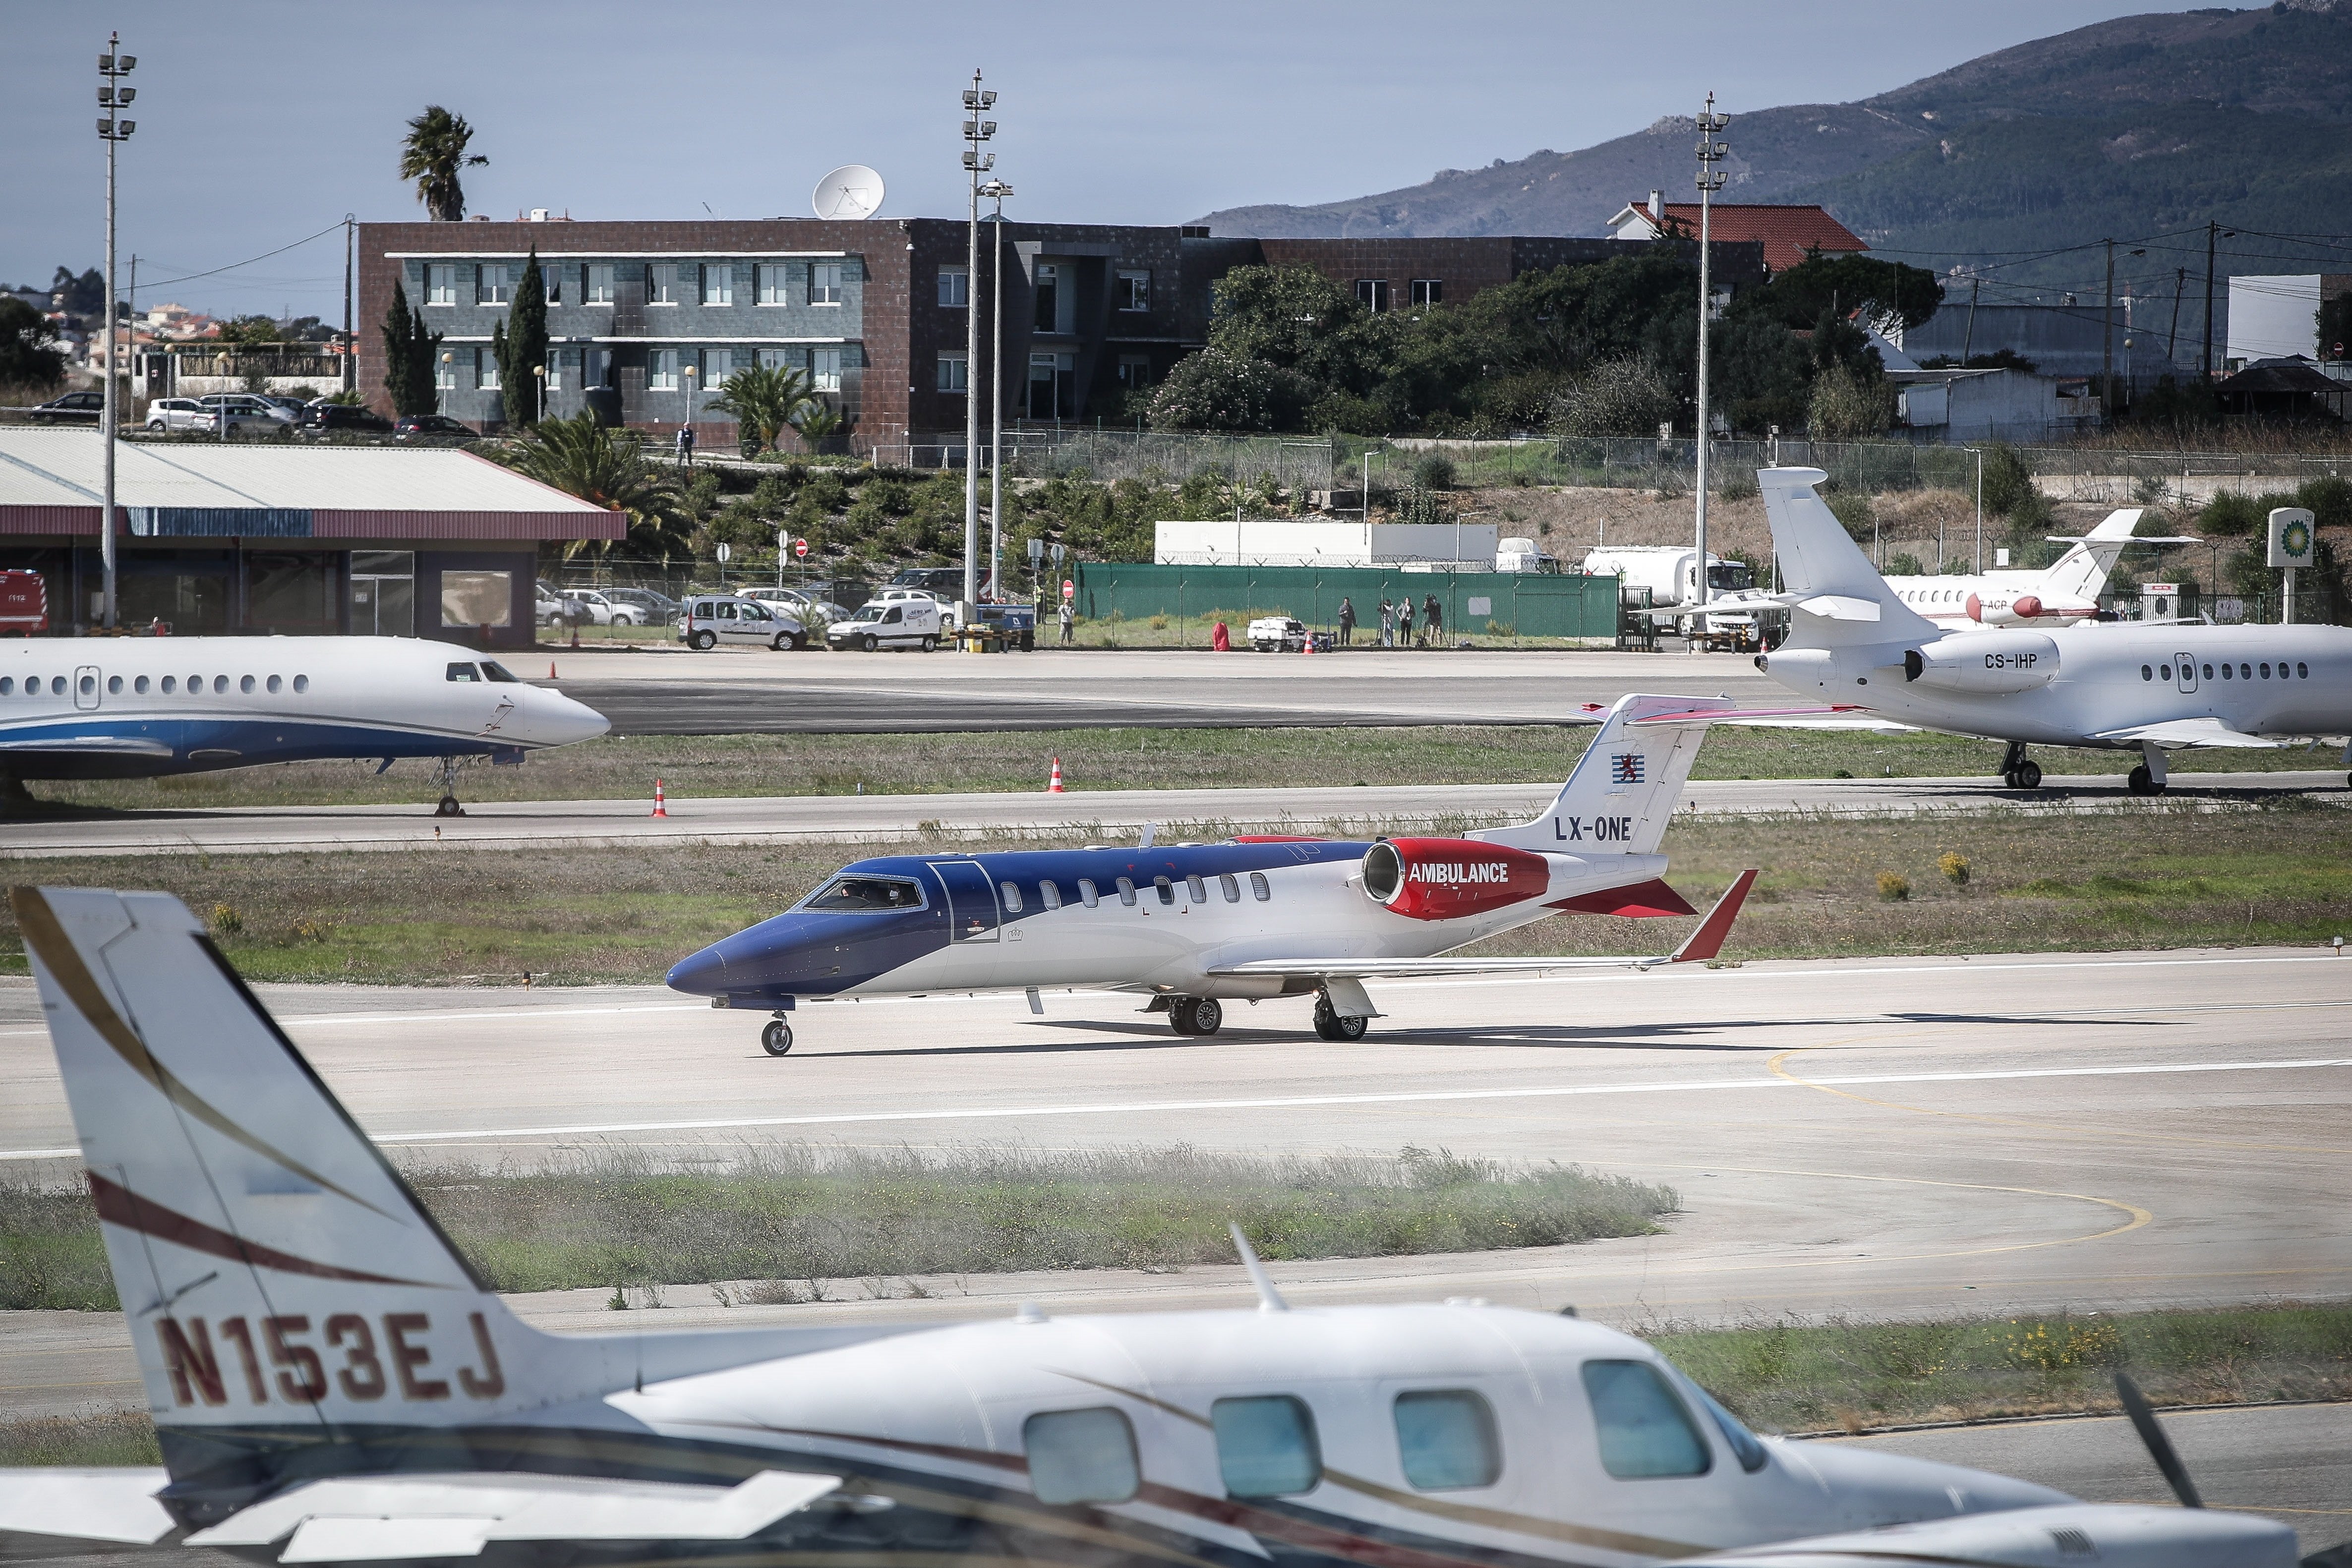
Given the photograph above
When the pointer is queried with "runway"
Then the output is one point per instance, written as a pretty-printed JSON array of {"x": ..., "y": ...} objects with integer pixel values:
[
  {"x": 774, "y": 819},
  {"x": 738, "y": 692},
  {"x": 1921, "y": 1137}
]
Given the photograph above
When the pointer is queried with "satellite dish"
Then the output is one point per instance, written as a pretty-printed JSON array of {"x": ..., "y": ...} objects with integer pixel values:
[{"x": 852, "y": 191}]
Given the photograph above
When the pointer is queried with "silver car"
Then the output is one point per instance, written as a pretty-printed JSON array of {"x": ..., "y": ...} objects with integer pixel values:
[
  {"x": 709, "y": 619},
  {"x": 245, "y": 412},
  {"x": 168, "y": 413}
]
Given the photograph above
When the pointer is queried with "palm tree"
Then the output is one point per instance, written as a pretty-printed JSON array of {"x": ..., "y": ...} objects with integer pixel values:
[
  {"x": 764, "y": 399},
  {"x": 815, "y": 421},
  {"x": 583, "y": 458},
  {"x": 433, "y": 153}
]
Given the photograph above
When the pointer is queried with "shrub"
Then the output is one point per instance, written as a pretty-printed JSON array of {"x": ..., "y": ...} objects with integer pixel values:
[
  {"x": 2007, "y": 480},
  {"x": 1904, "y": 564},
  {"x": 1434, "y": 471},
  {"x": 2330, "y": 500},
  {"x": 1852, "y": 508},
  {"x": 1955, "y": 867},
  {"x": 226, "y": 921},
  {"x": 1622, "y": 396},
  {"x": 1848, "y": 405},
  {"x": 2061, "y": 1346},
  {"x": 1893, "y": 887},
  {"x": 2231, "y": 514}
]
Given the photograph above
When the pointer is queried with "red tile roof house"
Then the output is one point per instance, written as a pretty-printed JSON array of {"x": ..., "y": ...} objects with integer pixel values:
[{"x": 1789, "y": 233}]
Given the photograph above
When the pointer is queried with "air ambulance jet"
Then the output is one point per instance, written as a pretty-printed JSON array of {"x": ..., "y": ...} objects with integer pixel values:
[
  {"x": 1195, "y": 925},
  {"x": 142, "y": 707},
  {"x": 2150, "y": 687},
  {"x": 331, "y": 1382}
]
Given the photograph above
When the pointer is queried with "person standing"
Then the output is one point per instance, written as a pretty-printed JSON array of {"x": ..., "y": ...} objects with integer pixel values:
[
  {"x": 1069, "y": 624},
  {"x": 1433, "y": 621},
  {"x": 686, "y": 446},
  {"x": 1388, "y": 622},
  {"x": 1347, "y": 622},
  {"x": 1404, "y": 620}
]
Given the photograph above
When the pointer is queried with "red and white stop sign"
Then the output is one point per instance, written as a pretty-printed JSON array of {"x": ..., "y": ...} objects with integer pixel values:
[
  {"x": 1069, "y": 589},
  {"x": 800, "y": 548}
]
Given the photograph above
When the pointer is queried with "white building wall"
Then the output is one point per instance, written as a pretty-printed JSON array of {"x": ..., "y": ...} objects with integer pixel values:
[
  {"x": 2272, "y": 317},
  {"x": 1284, "y": 541}
]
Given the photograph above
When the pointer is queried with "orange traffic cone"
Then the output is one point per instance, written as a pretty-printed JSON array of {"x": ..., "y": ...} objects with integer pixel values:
[
  {"x": 551, "y": 669},
  {"x": 575, "y": 639},
  {"x": 660, "y": 808},
  {"x": 1054, "y": 784}
]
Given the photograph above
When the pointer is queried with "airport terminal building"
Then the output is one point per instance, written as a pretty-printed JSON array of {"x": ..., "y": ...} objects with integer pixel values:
[
  {"x": 646, "y": 317},
  {"x": 303, "y": 541}
]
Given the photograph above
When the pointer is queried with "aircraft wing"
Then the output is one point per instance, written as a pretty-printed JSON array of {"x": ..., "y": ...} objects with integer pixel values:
[
  {"x": 114, "y": 1504},
  {"x": 1697, "y": 947},
  {"x": 101, "y": 744},
  {"x": 1840, "y": 715},
  {"x": 2184, "y": 733},
  {"x": 2120, "y": 1535}
]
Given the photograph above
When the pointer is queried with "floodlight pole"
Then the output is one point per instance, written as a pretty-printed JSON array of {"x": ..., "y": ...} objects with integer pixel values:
[
  {"x": 975, "y": 164},
  {"x": 996, "y": 190},
  {"x": 113, "y": 68},
  {"x": 1711, "y": 180}
]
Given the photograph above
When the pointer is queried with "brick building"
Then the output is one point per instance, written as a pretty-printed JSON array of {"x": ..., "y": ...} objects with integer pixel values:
[{"x": 645, "y": 318}]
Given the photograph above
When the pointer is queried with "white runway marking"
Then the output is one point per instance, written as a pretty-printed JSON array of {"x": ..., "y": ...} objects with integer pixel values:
[{"x": 1301, "y": 1101}]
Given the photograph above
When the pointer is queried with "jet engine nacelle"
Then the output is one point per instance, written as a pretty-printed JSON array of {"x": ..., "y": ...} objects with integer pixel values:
[
  {"x": 2002, "y": 610},
  {"x": 1984, "y": 661},
  {"x": 1447, "y": 879}
]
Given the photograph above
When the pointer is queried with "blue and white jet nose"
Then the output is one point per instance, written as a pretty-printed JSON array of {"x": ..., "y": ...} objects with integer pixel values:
[
  {"x": 702, "y": 974},
  {"x": 550, "y": 719}
]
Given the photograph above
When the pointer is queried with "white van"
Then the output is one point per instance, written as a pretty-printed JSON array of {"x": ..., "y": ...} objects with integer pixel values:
[
  {"x": 707, "y": 620},
  {"x": 909, "y": 622}
]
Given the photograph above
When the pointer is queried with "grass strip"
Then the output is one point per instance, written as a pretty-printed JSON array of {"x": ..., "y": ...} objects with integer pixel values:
[
  {"x": 691, "y": 766},
  {"x": 800, "y": 1212},
  {"x": 1833, "y": 888},
  {"x": 1852, "y": 1375}
]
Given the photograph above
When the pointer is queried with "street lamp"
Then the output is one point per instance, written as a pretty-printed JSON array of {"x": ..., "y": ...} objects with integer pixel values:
[
  {"x": 112, "y": 66},
  {"x": 539, "y": 408},
  {"x": 445, "y": 381},
  {"x": 686, "y": 420},
  {"x": 996, "y": 191},
  {"x": 976, "y": 163},
  {"x": 1711, "y": 180}
]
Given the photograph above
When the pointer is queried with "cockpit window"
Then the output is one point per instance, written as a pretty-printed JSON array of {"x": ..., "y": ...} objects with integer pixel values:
[
  {"x": 1750, "y": 1453},
  {"x": 867, "y": 893},
  {"x": 463, "y": 672},
  {"x": 1644, "y": 1430},
  {"x": 496, "y": 672}
]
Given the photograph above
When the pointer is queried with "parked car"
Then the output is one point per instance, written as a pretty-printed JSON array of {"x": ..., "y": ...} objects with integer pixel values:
[
  {"x": 74, "y": 408},
  {"x": 1278, "y": 634},
  {"x": 792, "y": 602},
  {"x": 431, "y": 427},
  {"x": 653, "y": 609},
  {"x": 946, "y": 581},
  {"x": 169, "y": 413},
  {"x": 913, "y": 621},
  {"x": 707, "y": 620},
  {"x": 593, "y": 609},
  {"x": 289, "y": 409},
  {"x": 896, "y": 594},
  {"x": 245, "y": 412},
  {"x": 550, "y": 608},
  {"x": 324, "y": 419}
]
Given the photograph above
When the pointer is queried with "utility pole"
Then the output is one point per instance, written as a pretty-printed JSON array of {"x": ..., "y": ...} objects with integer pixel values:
[
  {"x": 113, "y": 68},
  {"x": 2172, "y": 339},
  {"x": 1711, "y": 180},
  {"x": 351, "y": 344},
  {"x": 2107, "y": 343},
  {"x": 996, "y": 190},
  {"x": 1968, "y": 335},
  {"x": 976, "y": 163},
  {"x": 2212, "y": 230}
]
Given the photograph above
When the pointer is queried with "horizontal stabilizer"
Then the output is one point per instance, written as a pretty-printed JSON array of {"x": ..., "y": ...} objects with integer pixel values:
[
  {"x": 1643, "y": 901},
  {"x": 85, "y": 1505},
  {"x": 1839, "y": 607},
  {"x": 381, "y": 1518},
  {"x": 2183, "y": 734}
]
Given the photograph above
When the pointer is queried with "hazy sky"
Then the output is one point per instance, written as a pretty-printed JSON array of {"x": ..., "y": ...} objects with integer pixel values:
[{"x": 261, "y": 121}]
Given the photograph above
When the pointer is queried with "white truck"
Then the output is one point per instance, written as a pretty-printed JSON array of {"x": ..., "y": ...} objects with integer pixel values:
[
  {"x": 1671, "y": 574},
  {"x": 1523, "y": 555}
]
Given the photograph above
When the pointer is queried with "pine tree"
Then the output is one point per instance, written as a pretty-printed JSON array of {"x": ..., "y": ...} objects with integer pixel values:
[
  {"x": 399, "y": 356},
  {"x": 522, "y": 349}
]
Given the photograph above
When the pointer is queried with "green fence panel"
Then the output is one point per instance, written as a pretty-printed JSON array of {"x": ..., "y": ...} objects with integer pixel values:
[{"x": 1484, "y": 605}]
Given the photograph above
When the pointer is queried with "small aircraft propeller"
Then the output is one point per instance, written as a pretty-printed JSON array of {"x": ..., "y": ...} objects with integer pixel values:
[{"x": 2159, "y": 1447}]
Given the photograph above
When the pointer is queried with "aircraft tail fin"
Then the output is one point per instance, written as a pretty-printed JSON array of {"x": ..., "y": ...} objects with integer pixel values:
[
  {"x": 291, "y": 1301},
  {"x": 2082, "y": 571},
  {"x": 1624, "y": 788},
  {"x": 1837, "y": 596}
]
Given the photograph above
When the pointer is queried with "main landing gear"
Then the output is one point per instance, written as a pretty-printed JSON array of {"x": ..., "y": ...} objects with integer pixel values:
[
  {"x": 1195, "y": 1015},
  {"x": 2148, "y": 779},
  {"x": 776, "y": 1039},
  {"x": 2017, "y": 770},
  {"x": 1332, "y": 1024}
]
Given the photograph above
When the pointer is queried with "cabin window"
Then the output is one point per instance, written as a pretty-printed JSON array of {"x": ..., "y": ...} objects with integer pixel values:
[
  {"x": 1126, "y": 893},
  {"x": 2209, "y": 671},
  {"x": 1087, "y": 895},
  {"x": 1081, "y": 1456},
  {"x": 2225, "y": 671},
  {"x": 245, "y": 685},
  {"x": 2245, "y": 671},
  {"x": 1266, "y": 1445},
  {"x": 1644, "y": 1430},
  {"x": 1230, "y": 886},
  {"x": 1050, "y": 893},
  {"x": 90, "y": 687},
  {"x": 140, "y": 685},
  {"x": 302, "y": 683},
  {"x": 2145, "y": 673},
  {"x": 2265, "y": 670},
  {"x": 1258, "y": 889},
  {"x": 1197, "y": 888},
  {"x": 2301, "y": 670},
  {"x": 1447, "y": 1440},
  {"x": 114, "y": 683},
  {"x": 2166, "y": 671},
  {"x": 8, "y": 685},
  {"x": 463, "y": 672},
  {"x": 1012, "y": 892},
  {"x": 867, "y": 893},
  {"x": 220, "y": 684},
  {"x": 170, "y": 685},
  {"x": 276, "y": 685},
  {"x": 1165, "y": 889}
]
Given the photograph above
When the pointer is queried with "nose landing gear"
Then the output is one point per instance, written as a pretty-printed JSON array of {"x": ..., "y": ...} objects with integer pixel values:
[{"x": 1195, "y": 1015}]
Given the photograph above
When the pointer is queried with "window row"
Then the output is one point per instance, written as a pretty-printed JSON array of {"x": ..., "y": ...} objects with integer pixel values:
[
  {"x": 1373, "y": 292},
  {"x": 1130, "y": 291},
  {"x": 1447, "y": 1440},
  {"x": 1049, "y": 893},
  {"x": 1133, "y": 371},
  {"x": 2242, "y": 672},
  {"x": 666, "y": 283},
  {"x": 667, "y": 370},
  {"x": 86, "y": 684}
]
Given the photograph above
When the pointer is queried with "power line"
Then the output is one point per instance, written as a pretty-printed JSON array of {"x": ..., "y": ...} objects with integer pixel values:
[{"x": 265, "y": 255}]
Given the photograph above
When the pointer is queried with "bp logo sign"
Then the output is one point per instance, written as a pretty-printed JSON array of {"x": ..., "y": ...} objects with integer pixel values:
[{"x": 2290, "y": 536}]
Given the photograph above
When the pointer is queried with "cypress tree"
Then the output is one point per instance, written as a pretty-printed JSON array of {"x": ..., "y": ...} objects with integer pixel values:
[
  {"x": 523, "y": 347},
  {"x": 399, "y": 356},
  {"x": 424, "y": 350}
]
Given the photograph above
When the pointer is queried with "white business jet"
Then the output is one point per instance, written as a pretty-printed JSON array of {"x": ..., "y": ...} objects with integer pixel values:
[
  {"x": 2153, "y": 687},
  {"x": 141, "y": 707},
  {"x": 1193, "y": 927},
  {"x": 2066, "y": 590},
  {"x": 332, "y": 1383}
]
